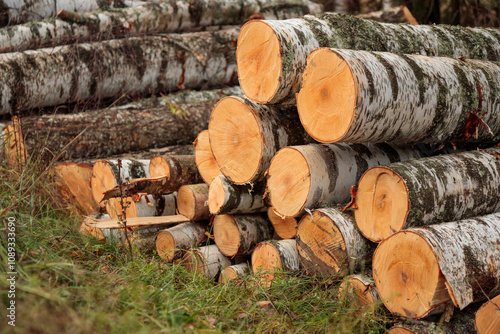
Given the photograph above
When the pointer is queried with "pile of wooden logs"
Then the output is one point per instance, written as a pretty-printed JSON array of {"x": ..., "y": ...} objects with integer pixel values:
[{"x": 353, "y": 146}]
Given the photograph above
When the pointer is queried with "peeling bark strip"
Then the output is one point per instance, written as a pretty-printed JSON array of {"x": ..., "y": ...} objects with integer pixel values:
[
  {"x": 401, "y": 98},
  {"x": 460, "y": 261},
  {"x": 273, "y": 257},
  {"x": 244, "y": 136},
  {"x": 329, "y": 244},
  {"x": 271, "y": 55},
  {"x": 487, "y": 320},
  {"x": 238, "y": 234},
  {"x": 227, "y": 198},
  {"x": 205, "y": 160},
  {"x": 235, "y": 272},
  {"x": 427, "y": 191},
  {"x": 192, "y": 201},
  {"x": 111, "y": 68},
  {"x": 400, "y": 14},
  {"x": 323, "y": 174},
  {"x": 361, "y": 290},
  {"x": 155, "y": 122},
  {"x": 207, "y": 260},
  {"x": 172, "y": 242}
]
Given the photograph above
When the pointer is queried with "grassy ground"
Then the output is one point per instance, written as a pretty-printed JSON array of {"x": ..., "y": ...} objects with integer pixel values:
[{"x": 68, "y": 283}]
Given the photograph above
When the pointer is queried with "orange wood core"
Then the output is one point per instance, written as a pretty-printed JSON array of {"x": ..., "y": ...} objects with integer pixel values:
[{"x": 226, "y": 235}]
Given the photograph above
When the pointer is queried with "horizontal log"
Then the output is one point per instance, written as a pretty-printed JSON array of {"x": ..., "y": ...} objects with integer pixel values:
[
  {"x": 135, "y": 222},
  {"x": 178, "y": 170},
  {"x": 487, "y": 319},
  {"x": 234, "y": 272},
  {"x": 285, "y": 228},
  {"x": 207, "y": 260},
  {"x": 361, "y": 291},
  {"x": 192, "y": 201},
  {"x": 172, "y": 242},
  {"x": 205, "y": 160},
  {"x": 398, "y": 98},
  {"x": 142, "y": 205}
]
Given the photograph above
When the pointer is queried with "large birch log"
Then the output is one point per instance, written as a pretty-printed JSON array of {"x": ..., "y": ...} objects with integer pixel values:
[
  {"x": 227, "y": 198},
  {"x": 192, "y": 201},
  {"x": 273, "y": 257},
  {"x": 239, "y": 234},
  {"x": 156, "y": 122},
  {"x": 207, "y": 260},
  {"x": 400, "y": 14},
  {"x": 271, "y": 55},
  {"x": 285, "y": 228},
  {"x": 172, "y": 242},
  {"x": 324, "y": 174},
  {"x": 427, "y": 191},
  {"x": 205, "y": 160},
  {"x": 244, "y": 136},
  {"x": 401, "y": 98},
  {"x": 419, "y": 270},
  {"x": 329, "y": 244},
  {"x": 487, "y": 319},
  {"x": 234, "y": 272},
  {"x": 112, "y": 68},
  {"x": 361, "y": 291}
]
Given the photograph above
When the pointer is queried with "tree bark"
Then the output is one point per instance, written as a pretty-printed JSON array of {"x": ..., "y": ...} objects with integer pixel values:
[
  {"x": 487, "y": 319},
  {"x": 244, "y": 153},
  {"x": 142, "y": 205},
  {"x": 399, "y": 14},
  {"x": 329, "y": 244},
  {"x": 285, "y": 228},
  {"x": 178, "y": 170},
  {"x": 427, "y": 191},
  {"x": 361, "y": 291},
  {"x": 271, "y": 55},
  {"x": 454, "y": 261},
  {"x": 322, "y": 175},
  {"x": 234, "y": 272},
  {"x": 400, "y": 98},
  {"x": 146, "y": 65},
  {"x": 207, "y": 260},
  {"x": 227, "y": 198},
  {"x": 172, "y": 242},
  {"x": 274, "y": 256},
  {"x": 156, "y": 122},
  {"x": 192, "y": 201},
  {"x": 205, "y": 160}
]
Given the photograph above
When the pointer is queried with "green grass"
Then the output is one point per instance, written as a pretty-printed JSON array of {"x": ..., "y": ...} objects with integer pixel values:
[{"x": 69, "y": 283}]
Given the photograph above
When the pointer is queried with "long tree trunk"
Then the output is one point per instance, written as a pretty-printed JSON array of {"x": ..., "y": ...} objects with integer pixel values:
[
  {"x": 172, "y": 242},
  {"x": 361, "y": 96},
  {"x": 239, "y": 234},
  {"x": 487, "y": 320},
  {"x": 244, "y": 152},
  {"x": 156, "y": 122},
  {"x": 417, "y": 271},
  {"x": 271, "y": 55},
  {"x": 207, "y": 260},
  {"x": 329, "y": 243},
  {"x": 234, "y": 272},
  {"x": 285, "y": 228},
  {"x": 427, "y": 191},
  {"x": 324, "y": 174},
  {"x": 400, "y": 14},
  {"x": 205, "y": 160},
  {"x": 192, "y": 201},
  {"x": 227, "y": 198},
  {"x": 112, "y": 68}
]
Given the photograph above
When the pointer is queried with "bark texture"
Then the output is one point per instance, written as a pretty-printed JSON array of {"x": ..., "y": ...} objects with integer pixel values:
[
  {"x": 207, "y": 260},
  {"x": 143, "y": 205},
  {"x": 151, "y": 123},
  {"x": 272, "y": 257},
  {"x": 408, "y": 98},
  {"x": 400, "y": 14},
  {"x": 234, "y": 272},
  {"x": 361, "y": 290},
  {"x": 112, "y": 68},
  {"x": 192, "y": 201},
  {"x": 172, "y": 242},
  {"x": 237, "y": 199},
  {"x": 298, "y": 37}
]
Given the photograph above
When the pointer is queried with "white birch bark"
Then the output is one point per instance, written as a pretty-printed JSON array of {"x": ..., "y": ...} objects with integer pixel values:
[
  {"x": 408, "y": 98},
  {"x": 238, "y": 199},
  {"x": 397, "y": 14},
  {"x": 287, "y": 250},
  {"x": 106, "y": 69},
  {"x": 468, "y": 256},
  {"x": 298, "y": 37},
  {"x": 212, "y": 260},
  {"x": 237, "y": 271},
  {"x": 185, "y": 236}
]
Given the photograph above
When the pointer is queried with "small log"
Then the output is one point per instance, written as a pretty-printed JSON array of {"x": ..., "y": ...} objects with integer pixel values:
[
  {"x": 171, "y": 243},
  {"x": 234, "y": 272},
  {"x": 272, "y": 257},
  {"x": 207, "y": 260},
  {"x": 286, "y": 228},
  {"x": 134, "y": 222},
  {"x": 191, "y": 201},
  {"x": 205, "y": 160},
  {"x": 329, "y": 244},
  {"x": 427, "y": 191},
  {"x": 244, "y": 152},
  {"x": 487, "y": 320},
  {"x": 239, "y": 234},
  {"x": 271, "y": 55},
  {"x": 227, "y": 198},
  {"x": 361, "y": 291},
  {"x": 391, "y": 106},
  {"x": 142, "y": 205},
  {"x": 418, "y": 271},
  {"x": 324, "y": 174},
  {"x": 179, "y": 170},
  {"x": 400, "y": 14}
]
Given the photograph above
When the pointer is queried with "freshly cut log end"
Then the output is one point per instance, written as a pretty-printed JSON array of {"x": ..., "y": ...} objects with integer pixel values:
[
  {"x": 191, "y": 200},
  {"x": 271, "y": 257},
  {"x": 207, "y": 260},
  {"x": 383, "y": 203},
  {"x": 227, "y": 234},
  {"x": 285, "y": 228},
  {"x": 487, "y": 320},
  {"x": 361, "y": 290},
  {"x": 400, "y": 330},
  {"x": 171, "y": 243},
  {"x": 165, "y": 246},
  {"x": 216, "y": 196},
  {"x": 103, "y": 178},
  {"x": 159, "y": 167},
  {"x": 327, "y": 99},
  {"x": 207, "y": 166},
  {"x": 407, "y": 275},
  {"x": 289, "y": 181},
  {"x": 259, "y": 61},
  {"x": 234, "y": 272},
  {"x": 236, "y": 139}
]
